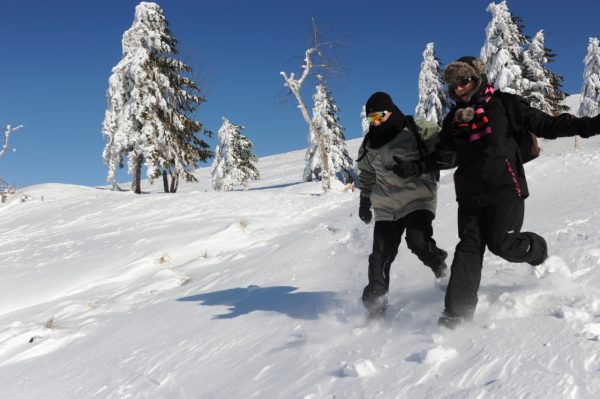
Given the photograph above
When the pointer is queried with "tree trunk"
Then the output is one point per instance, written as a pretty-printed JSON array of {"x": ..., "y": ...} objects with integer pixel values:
[
  {"x": 137, "y": 175},
  {"x": 174, "y": 182},
  {"x": 165, "y": 181},
  {"x": 326, "y": 179}
]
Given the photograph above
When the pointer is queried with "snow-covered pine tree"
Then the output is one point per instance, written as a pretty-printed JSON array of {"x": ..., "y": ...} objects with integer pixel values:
[
  {"x": 541, "y": 87},
  {"x": 502, "y": 51},
  {"x": 149, "y": 103},
  {"x": 325, "y": 117},
  {"x": 432, "y": 96},
  {"x": 590, "y": 93},
  {"x": 537, "y": 86},
  {"x": 364, "y": 122},
  {"x": 234, "y": 160}
]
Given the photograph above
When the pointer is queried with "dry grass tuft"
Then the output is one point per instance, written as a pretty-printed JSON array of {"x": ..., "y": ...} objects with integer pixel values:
[
  {"x": 49, "y": 325},
  {"x": 164, "y": 259}
]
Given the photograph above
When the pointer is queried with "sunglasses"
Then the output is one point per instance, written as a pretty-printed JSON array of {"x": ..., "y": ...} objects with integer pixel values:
[
  {"x": 461, "y": 82},
  {"x": 377, "y": 116}
]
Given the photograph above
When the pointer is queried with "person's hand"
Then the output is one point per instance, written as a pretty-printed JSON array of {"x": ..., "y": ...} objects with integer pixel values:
[
  {"x": 406, "y": 169},
  {"x": 364, "y": 210}
]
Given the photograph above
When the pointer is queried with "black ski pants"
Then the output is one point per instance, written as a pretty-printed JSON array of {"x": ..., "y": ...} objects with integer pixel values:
[
  {"x": 498, "y": 227},
  {"x": 386, "y": 240}
]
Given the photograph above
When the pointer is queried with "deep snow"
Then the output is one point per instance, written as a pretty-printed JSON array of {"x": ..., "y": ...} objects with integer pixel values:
[{"x": 255, "y": 294}]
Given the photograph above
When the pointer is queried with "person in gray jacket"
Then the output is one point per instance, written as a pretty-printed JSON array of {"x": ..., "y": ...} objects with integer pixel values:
[{"x": 400, "y": 204}]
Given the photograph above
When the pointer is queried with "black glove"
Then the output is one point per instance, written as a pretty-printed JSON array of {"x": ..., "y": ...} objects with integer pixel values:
[
  {"x": 364, "y": 210},
  {"x": 406, "y": 169}
]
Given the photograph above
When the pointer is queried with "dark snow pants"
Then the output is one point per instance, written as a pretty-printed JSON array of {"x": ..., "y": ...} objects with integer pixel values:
[
  {"x": 499, "y": 227},
  {"x": 386, "y": 239}
]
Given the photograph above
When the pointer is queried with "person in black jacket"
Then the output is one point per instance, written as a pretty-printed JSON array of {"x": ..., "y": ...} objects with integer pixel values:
[{"x": 490, "y": 183}]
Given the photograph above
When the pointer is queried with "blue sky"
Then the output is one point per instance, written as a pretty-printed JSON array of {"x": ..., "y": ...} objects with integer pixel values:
[{"x": 57, "y": 57}]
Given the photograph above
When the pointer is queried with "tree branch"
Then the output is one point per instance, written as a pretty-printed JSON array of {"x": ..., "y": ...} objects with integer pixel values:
[{"x": 7, "y": 134}]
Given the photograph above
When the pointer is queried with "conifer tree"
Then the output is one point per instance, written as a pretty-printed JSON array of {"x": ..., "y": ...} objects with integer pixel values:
[
  {"x": 234, "y": 160},
  {"x": 541, "y": 87},
  {"x": 537, "y": 86},
  {"x": 557, "y": 100},
  {"x": 325, "y": 118},
  {"x": 149, "y": 103},
  {"x": 432, "y": 97},
  {"x": 502, "y": 51},
  {"x": 590, "y": 93}
]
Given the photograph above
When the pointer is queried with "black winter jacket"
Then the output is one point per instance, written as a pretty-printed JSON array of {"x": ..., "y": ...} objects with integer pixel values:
[{"x": 490, "y": 170}]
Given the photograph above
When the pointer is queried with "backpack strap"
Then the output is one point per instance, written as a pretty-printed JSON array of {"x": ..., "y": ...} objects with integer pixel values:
[{"x": 412, "y": 126}]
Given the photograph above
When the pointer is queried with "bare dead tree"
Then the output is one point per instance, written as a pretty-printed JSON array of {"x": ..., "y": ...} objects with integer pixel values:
[
  {"x": 314, "y": 59},
  {"x": 6, "y": 188},
  {"x": 9, "y": 130}
]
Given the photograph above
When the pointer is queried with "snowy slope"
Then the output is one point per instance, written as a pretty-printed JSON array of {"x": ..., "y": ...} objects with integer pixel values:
[{"x": 256, "y": 294}]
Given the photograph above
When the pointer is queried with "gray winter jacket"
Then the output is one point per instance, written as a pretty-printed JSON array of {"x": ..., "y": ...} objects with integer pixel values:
[{"x": 394, "y": 197}]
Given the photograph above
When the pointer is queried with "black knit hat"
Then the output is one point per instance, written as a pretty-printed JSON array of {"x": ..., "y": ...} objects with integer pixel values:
[{"x": 379, "y": 101}]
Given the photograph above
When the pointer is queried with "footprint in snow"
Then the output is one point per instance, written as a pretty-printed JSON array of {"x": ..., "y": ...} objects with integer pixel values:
[{"x": 553, "y": 264}]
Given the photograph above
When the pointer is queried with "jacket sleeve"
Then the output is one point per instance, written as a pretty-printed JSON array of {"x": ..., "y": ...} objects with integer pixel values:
[
  {"x": 367, "y": 175},
  {"x": 440, "y": 150},
  {"x": 563, "y": 125},
  {"x": 429, "y": 132},
  {"x": 444, "y": 156}
]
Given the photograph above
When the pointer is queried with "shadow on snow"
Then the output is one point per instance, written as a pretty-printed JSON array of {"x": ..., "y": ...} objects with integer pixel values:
[
  {"x": 275, "y": 186},
  {"x": 282, "y": 299}
]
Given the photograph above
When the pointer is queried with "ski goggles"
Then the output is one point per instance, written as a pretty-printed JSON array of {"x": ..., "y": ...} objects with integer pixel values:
[{"x": 377, "y": 116}]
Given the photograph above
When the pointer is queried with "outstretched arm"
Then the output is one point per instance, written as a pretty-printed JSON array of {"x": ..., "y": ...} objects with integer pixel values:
[{"x": 563, "y": 125}]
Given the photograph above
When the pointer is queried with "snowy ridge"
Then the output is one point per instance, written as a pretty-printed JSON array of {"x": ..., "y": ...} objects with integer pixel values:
[{"x": 205, "y": 294}]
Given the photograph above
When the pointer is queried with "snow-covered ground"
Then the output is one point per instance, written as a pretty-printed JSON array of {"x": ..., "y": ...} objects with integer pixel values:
[{"x": 256, "y": 294}]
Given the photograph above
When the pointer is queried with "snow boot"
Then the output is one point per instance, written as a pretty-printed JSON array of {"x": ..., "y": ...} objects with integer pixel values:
[
  {"x": 440, "y": 269},
  {"x": 543, "y": 254},
  {"x": 448, "y": 321},
  {"x": 375, "y": 305}
]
